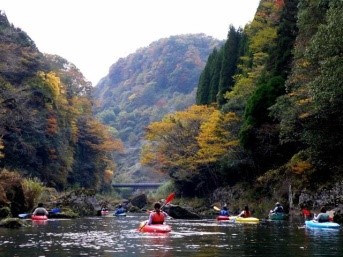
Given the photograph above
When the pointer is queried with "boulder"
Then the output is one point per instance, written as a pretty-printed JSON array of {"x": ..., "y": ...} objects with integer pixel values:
[
  {"x": 139, "y": 201},
  {"x": 12, "y": 223},
  {"x": 178, "y": 212}
]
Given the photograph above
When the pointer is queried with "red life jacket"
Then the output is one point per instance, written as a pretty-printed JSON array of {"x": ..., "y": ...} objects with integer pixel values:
[
  {"x": 157, "y": 218},
  {"x": 306, "y": 212},
  {"x": 247, "y": 214}
]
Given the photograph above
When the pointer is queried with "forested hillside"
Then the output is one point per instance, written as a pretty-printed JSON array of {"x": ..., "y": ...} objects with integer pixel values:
[
  {"x": 261, "y": 111},
  {"x": 268, "y": 113},
  {"x": 146, "y": 85},
  {"x": 47, "y": 128}
]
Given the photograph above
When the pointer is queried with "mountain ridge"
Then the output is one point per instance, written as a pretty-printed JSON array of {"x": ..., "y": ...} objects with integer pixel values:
[{"x": 155, "y": 80}]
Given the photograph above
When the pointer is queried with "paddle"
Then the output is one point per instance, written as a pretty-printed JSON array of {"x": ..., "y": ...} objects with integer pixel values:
[
  {"x": 168, "y": 200},
  {"x": 216, "y": 208},
  {"x": 24, "y": 215}
]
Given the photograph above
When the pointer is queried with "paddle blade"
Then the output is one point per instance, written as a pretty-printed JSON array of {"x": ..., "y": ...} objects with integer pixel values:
[
  {"x": 23, "y": 215},
  {"x": 169, "y": 198},
  {"x": 142, "y": 225},
  {"x": 216, "y": 208}
]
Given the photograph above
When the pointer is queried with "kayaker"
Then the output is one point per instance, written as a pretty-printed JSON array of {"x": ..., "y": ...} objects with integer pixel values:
[
  {"x": 157, "y": 216},
  {"x": 278, "y": 208},
  {"x": 305, "y": 212},
  {"x": 40, "y": 210},
  {"x": 245, "y": 213},
  {"x": 120, "y": 210},
  {"x": 322, "y": 216},
  {"x": 224, "y": 211}
]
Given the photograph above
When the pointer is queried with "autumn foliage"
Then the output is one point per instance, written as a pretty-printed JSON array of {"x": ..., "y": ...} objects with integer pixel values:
[
  {"x": 47, "y": 124},
  {"x": 186, "y": 141}
]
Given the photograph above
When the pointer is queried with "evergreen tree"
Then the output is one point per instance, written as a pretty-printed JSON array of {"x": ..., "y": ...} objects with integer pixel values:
[
  {"x": 280, "y": 59},
  {"x": 203, "y": 91},
  {"x": 229, "y": 63},
  {"x": 203, "y": 86},
  {"x": 216, "y": 67}
]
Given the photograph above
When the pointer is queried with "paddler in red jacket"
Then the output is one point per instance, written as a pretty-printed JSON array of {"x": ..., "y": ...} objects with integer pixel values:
[{"x": 157, "y": 216}]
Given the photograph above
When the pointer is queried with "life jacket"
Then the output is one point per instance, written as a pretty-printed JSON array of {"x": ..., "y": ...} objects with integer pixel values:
[
  {"x": 247, "y": 214},
  {"x": 224, "y": 213},
  {"x": 120, "y": 210},
  {"x": 306, "y": 212},
  {"x": 157, "y": 218}
]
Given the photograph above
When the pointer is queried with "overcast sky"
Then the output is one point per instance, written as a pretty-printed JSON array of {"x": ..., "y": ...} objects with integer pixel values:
[{"x": 94, "y": 34}]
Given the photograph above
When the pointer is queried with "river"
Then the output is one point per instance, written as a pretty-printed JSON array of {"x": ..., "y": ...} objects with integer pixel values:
[{"x": 110, "y": 236}]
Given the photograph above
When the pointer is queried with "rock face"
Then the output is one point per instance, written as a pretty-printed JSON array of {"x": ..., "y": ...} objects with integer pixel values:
[
  {"x": 178, "y": 212},
  {"x": 331, "y": 198},
  {"x": 82, "y": 202}
]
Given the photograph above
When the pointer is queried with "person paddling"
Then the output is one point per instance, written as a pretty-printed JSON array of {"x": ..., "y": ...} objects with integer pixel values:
[
  {"x": 245, "y": 213},
  {"x": 224, "y": 211},
  {"x": 305, "y": 212},
  {"x": 322, "y": 216},
  {"x": 120, "y": 210},
  {"x": 157, "y": 216},
  {"x": 40, "y": 210},
  {"x": 278, "y": 209}
]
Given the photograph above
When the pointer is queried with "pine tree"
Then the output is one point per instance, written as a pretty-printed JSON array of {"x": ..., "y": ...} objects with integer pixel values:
[{"x": 229, "y": 63}]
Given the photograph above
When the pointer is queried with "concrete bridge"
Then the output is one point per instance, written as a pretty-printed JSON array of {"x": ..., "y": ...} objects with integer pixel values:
[{"x": 137, "y": 185}]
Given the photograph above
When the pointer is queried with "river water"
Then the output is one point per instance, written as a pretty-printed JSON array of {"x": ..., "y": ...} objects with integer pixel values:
[{"x": 117, "y": 236}]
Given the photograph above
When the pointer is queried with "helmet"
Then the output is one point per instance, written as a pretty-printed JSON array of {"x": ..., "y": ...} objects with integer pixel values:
[{"x": 277, "y": 204}]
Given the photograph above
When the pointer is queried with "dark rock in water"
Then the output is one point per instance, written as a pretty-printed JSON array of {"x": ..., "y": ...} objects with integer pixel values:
[
  {"x": 178, "y": 212},
  {"x": 140, "y": 201},
  {"x": 133, "y": 208},
  {"x": 12, "y": 223}
]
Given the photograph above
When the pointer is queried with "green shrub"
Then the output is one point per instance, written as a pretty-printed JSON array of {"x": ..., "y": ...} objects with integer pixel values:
[{"x": 33, "y": 189}]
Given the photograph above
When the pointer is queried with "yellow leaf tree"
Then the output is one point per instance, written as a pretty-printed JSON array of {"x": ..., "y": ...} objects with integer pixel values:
[
  {"x": 215, "y": 139},
  {"x": 188, "y": 144},
  {"x": 171, "y": 143}
]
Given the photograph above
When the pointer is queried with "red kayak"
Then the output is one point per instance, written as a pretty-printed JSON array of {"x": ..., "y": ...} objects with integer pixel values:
[
  {"x": 39, "y": 217},
  {"x": 104, "y": 213},
  {"x": 222, "y": 217},
  {"x": 154, "y": 228}
]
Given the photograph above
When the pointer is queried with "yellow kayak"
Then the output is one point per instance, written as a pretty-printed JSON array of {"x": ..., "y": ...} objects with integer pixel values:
[{"x": 244, "y": 220}]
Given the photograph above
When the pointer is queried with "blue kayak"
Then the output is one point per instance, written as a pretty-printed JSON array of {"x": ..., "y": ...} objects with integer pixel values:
[
  {"x": 122, "y": 214},
  {"x": 315, "y": 224}
]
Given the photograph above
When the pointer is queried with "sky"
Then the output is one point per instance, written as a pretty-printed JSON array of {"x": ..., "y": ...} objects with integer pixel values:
[{"x": 94, "y": 34}]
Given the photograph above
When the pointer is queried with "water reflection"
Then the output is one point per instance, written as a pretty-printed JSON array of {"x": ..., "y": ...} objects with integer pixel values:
[
  {"x": 110, "y": 236},
  {"x": 39, "y": 222}
]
